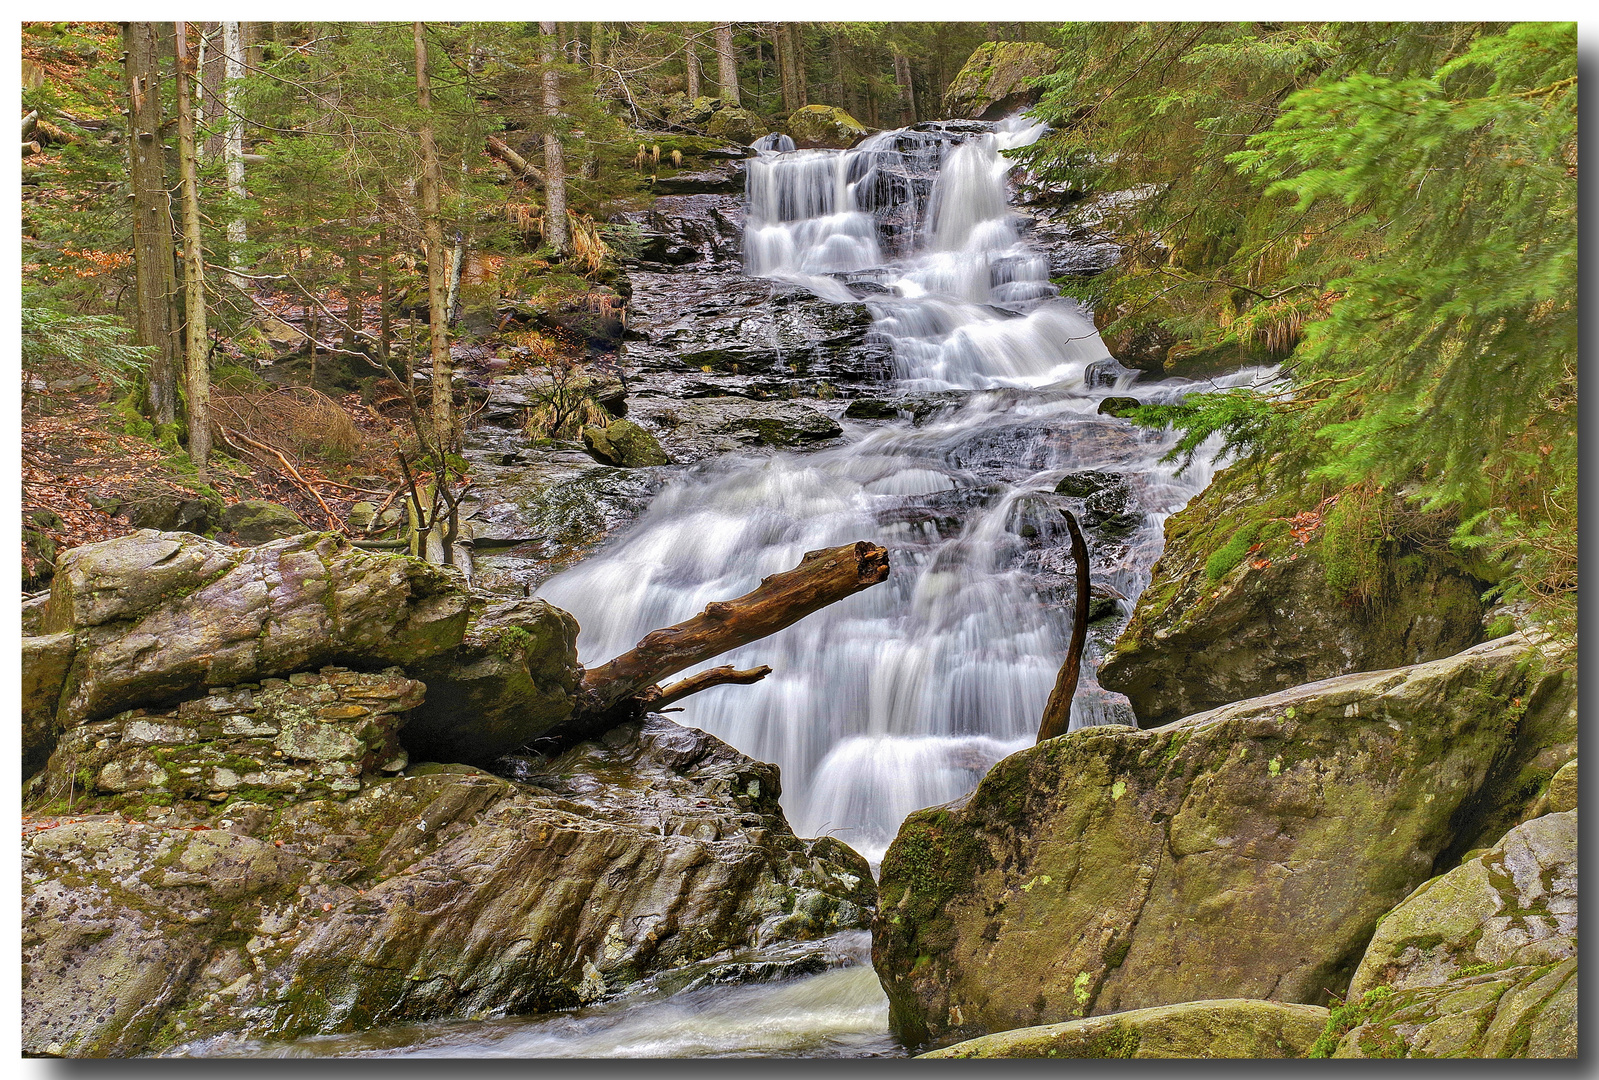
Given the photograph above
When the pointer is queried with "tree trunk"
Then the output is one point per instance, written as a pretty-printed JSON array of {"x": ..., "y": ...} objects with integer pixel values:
[
  {"x": 1058, "y": 712},
  {"x": 822, "y": 578},
  {"x": 384, "y": 325},
  {"x": 780, "y": 53},
  {"x": 152, "y": 221},
  {"x": 233, "y": 144},
  {"x": 726, "y": 65},
  {"x": 691, "y": 67},
  {"x": 212, "y": 62},
  {"x": 907, "y": 93},
  {"x": 555, "y": 233},
  {"x": 596, "y": 47},
  {"x": 196, "y": 353},
  {"x": 796, "y": 51},
  {"x": 516, "y": 161},
  {"x": 437, "y": 257}
]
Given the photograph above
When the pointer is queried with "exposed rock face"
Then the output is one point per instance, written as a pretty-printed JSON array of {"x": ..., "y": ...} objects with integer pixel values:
[
  {"x": 1199, "y": 638},
  {"x": 992, "y": 84},
  {"x": 514, "y": 676},
  {"x": 445, "y": 892},
  {"x": 1249, "y": 850},
  {"x": 1229, "y": 1028},
  {"x": 309, "y": 734},
  {"x": 695, "y": 430},
  {"x": 625, "y": 444},
  {"x": 824, "y": 126},
  {"x": 1514, "y": 905},
  {"x": 695, "y": 231},
  {"x": 724, "y": 333},
  {"x": 160, "y": 616},
  {"x": 1480, "y": 962},
  {"x": 255, "y": 521},
  {"x": 150, "y": 504},
  {"x": 45, "y": 661}
]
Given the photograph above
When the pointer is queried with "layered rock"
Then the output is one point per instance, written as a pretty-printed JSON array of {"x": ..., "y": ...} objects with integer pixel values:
[
  {"x": 154, "y": 617},
  {"x": 444, "y": 892},
  {"x": 1245, "y": 851},
  {"x": 696, "y": 231},
  {"x": 1235, "y": 1028},
  {"x": 694, "y": 430},
  {"x": 1240, "y": 604},
  {"x": 994, "y": 81}
]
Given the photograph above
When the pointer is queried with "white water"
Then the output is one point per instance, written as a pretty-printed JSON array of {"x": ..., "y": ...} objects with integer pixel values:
[{"x": 904, "y": 695}]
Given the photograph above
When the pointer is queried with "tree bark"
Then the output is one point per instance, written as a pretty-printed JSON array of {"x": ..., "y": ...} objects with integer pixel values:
[
  {"x": 233, "y": 142},
  {"x": 554, "y": 160},
  {"x": 796, "y": 52},
  {"x": 822, "y": 578},
  {"x": 437, "y": 257},
  {"x": 717, "y": 676},
  {"x": 726, "y": 65},
  {"x": 526, "y": 168},
  {"x": 196, "y": 353},
  {"x": 1058, "y": 711},
  {"x": 691, "y": 67},
  {"x": 907, "y": 93},
  {"x": 152, "y": 220},
  {"x": 211, "y": 60}
]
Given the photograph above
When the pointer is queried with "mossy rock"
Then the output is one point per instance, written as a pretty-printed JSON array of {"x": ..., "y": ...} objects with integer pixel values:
[
  {"x": 993, "y": 83},
  {"x": 1228, "y": 1028},
  {"x": 1248, "y": 851},
  {"x": 736, "y": 124},
  {"x": 624, "y": 444},
  {"x": 256, "y": 521},
  {"x": 1118, "y": 406},
  {"x": 824, "y": 126}
]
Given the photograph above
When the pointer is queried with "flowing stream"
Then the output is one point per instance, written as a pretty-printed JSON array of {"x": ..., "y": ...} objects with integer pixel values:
[{"x": 903, "y": 695}]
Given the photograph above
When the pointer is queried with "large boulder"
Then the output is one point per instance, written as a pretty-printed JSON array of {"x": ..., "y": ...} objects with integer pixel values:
[
  {"x": 45, "y": 661},
  {"x": 737, "y": 125},
  {"x": 1247, "y": 851},
  {"x": 256, "y": 521},
  {"x": 156, "y": 617},
  {"x": 1254, "y": 592},
  {"x": 994, "y": 81},
  {"x": 694, "y": 430},
  {"x": 151, "y": 504},
  {"x": 442, "y": 893},
  {"x": 1236, "y": 1028},
  {"x": 514, "y": 676},
  {"x": 698, "y": 230},
  {"x": 1480, "y": 962},
  {"x": 623, "y": 443},
  {"x": 824, "y": 126}
]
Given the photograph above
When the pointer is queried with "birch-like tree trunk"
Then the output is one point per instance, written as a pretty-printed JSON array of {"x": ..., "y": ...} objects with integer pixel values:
[
  {"x": 554, "y": 160},
  {"x": 152, "y": 219},
  {"x": 196, "y": 351},
  {"x": 437, "y": 257},
  {"x": 726, "y": 65},
  {"x": 233, "y": 143}
]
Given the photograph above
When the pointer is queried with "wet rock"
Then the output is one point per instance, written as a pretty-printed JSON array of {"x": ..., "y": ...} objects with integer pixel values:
[
  {"x": 255, "y": 521},
  {"x": 824, "y": 126},
  {"x": 1229, "y": 1028},
  {"x": 1205, "y": 633},
  {"x": 1103, "y": 374},
  {"x": 726, "y": 178},
  {"x": 158, "y": 616},
  {"x": 443, "y": 893},
  {"x": 694, "y": 430},
  {"x": 1089, "y": 482},
  {"x": 1249, "y": 850},
  {"x": 1118, "y": 406},
  {"x": 774, "y": 336},
  {"x": 535, "y": 518},
  {"x": 871, "y": 409},
  {"x": 689, "y": 230},
  {"x": 993, "y": 82},
  {"x": 514, "y": 676},
  {"x": 509, "y": 397},
  {"x": 623, "y": 443},
  {"x": 1017, "y": 451}
]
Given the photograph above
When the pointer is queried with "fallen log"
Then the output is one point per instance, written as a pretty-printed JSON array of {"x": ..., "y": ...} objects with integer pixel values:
[
  {"x": 516, "y": 161},
  {"x": 1058, "y": 711},
  {"x": 822, "y": 578}
]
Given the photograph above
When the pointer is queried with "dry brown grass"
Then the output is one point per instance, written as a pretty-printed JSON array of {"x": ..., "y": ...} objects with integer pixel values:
[{"x": 295, "y": 420}]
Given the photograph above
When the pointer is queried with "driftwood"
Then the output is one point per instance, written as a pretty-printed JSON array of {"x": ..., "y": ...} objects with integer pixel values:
[
  {"x": 822, "y": 578},
  {"x": 719, "y": 676},
  {"x": 1058, "y": 712}
]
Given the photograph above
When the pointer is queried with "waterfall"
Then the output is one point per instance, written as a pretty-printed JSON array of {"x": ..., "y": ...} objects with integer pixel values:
[{"x": 903, "y": 695}]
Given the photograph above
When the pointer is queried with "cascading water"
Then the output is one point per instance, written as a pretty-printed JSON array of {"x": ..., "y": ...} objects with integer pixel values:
[{"x": 904, "y": 695}]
